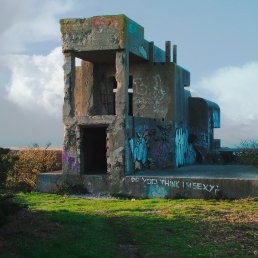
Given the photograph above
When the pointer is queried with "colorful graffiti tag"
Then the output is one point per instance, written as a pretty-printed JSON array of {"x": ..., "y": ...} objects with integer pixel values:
[
  {"x": 185, "y": 153},
  {"x": 75, "y": 164},
  {"x": 152, "y": 147},
  {"x": 162, "y": 147},
  {"x": 139, "y": 149}
]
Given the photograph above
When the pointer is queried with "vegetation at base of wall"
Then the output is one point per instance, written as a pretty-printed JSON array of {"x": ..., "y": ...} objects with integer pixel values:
[
  {"x": 31, "y": 161},
  {"x": 65, "y": 188},
  {"x": 62, "y": 226},
  {"x": 248, "y": 152},
  {"x": 122, "y": 196}
]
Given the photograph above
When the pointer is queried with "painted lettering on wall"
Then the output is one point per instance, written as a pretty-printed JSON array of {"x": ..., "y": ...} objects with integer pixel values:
[
  {"x": 72, "y": 161},
  {"x": 173, "y": 183}
]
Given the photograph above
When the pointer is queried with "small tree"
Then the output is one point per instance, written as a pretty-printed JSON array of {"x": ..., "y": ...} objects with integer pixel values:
[
  {"x": 32, "y": 161},
  {"x": 248, "y": 152}
]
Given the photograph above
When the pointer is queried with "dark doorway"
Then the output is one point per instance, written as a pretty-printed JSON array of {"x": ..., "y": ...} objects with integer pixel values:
[{"x": 94, "y": 150}]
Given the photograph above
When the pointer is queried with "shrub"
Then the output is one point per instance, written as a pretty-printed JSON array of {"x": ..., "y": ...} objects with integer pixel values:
[
  {"x": 6, "y": 163},
  {"x": 31, "y": 161},
  {"x": 248, "y": 152},
  {"x": 7, "y": 204}
]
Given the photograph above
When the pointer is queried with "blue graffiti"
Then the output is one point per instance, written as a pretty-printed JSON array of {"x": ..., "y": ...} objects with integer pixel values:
[{"x": 139, "y": 148}]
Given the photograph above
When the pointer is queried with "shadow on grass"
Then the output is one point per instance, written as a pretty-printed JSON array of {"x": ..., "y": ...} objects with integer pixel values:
[{"x": 128, "y": 233}]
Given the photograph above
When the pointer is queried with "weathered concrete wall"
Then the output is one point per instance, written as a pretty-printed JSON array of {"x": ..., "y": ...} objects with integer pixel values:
[
  {"x": 47, "y": 182},
  {"x": 160, "y": 187},
  {"x": 204, "y": 115},
  {"x": 105, "y": 33},
  {"x": 158, "y": 90}
]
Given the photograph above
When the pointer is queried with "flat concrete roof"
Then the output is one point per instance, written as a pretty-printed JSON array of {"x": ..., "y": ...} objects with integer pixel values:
[{"x": 204, "y": 171}]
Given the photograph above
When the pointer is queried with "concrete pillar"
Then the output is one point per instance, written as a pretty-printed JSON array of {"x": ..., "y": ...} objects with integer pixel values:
[
  {"x": 122, "y": 107},
  {"x": 69, "y": 84},
  {"x": 122, "y": 78},
  {"x": 168, "y": 51},
  {"x": 175, "y": 54}
]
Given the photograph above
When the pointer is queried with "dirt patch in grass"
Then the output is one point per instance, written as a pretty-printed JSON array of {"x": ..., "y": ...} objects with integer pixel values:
[{"x": 239, "y": 229}]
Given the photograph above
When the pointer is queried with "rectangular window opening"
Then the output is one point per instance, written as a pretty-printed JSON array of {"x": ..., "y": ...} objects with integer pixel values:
[
  {"x": 130, "y": 96},
  {"x": 114, "y": 94}
]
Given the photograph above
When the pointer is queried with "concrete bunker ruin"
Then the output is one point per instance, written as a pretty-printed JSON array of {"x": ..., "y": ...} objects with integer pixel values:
[
  {"x": 126, "y": 108},
  {"x": 130, "y": 124}
]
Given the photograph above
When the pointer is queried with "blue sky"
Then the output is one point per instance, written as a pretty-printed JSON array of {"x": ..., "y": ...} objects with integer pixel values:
[{"x": 217, "y": 42}]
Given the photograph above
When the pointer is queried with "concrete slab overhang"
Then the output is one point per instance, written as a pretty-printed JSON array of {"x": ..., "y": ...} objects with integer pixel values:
[{"x": 106, "y": 34}]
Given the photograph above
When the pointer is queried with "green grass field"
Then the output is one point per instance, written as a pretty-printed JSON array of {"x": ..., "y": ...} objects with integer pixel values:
[{"x": 59, "y": 226}]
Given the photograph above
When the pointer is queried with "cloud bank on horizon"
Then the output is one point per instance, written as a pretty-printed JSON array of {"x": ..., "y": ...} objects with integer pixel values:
[{"x": 34, "y": 82}]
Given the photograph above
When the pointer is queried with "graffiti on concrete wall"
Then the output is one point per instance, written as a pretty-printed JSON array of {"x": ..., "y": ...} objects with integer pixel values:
[
  {"x": 72, "y": 161},
  {"x": 139, "y": 148},
  {"x": 163, "y": 150},
  {"x": 152, "y": 147},
  {"x": 172, "y": 183},
  {"x": 151, "y": 95},
  {"x": 163, "y": 153},
  {"x": 161, "y": 147},
  {"x": 185, "y": 153}
]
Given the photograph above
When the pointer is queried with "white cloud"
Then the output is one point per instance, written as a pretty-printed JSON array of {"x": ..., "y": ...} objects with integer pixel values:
[
  {"x": 235, "y": 90},
  {"x": 37, "y": 81},
  {"x": 30, "y": 21}
]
